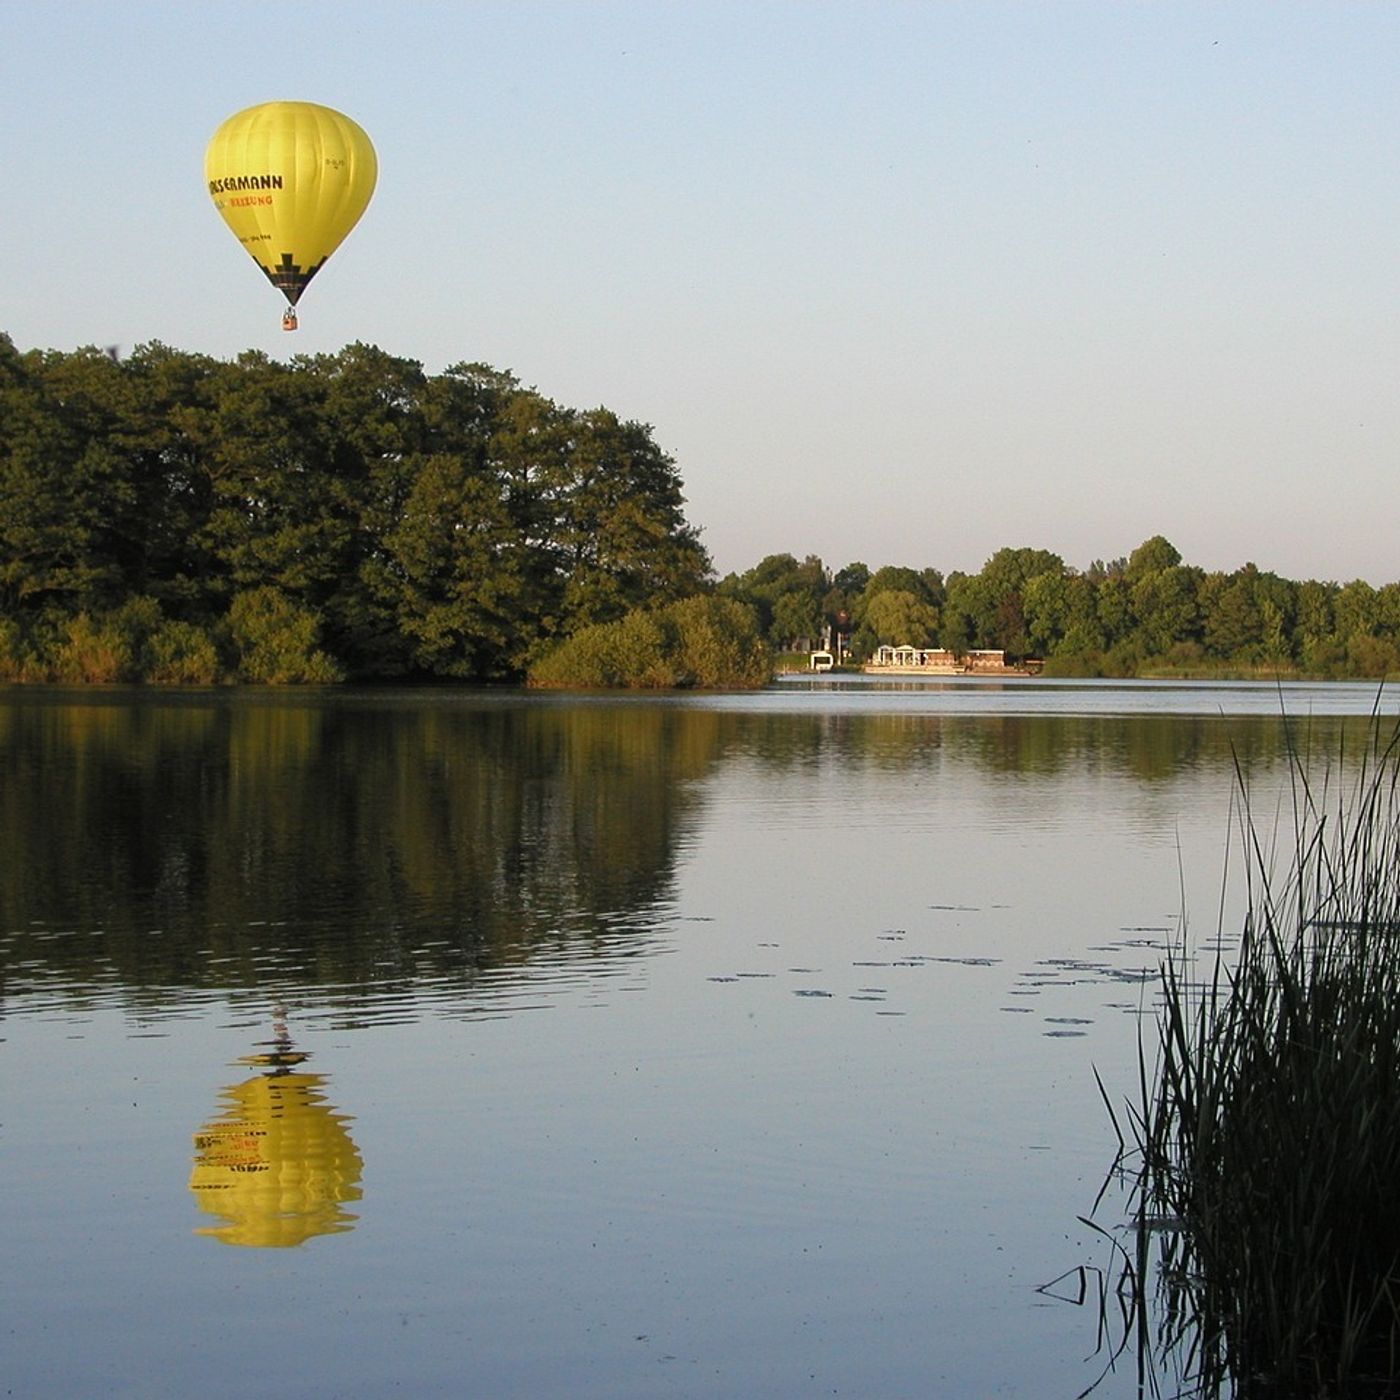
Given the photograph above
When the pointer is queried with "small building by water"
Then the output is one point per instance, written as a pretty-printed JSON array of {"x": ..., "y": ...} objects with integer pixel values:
[{"x": 941, "y": 661}]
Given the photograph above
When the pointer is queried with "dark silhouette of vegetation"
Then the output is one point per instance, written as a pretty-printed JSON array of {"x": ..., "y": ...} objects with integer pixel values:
[{"x": 176, "y": 519}]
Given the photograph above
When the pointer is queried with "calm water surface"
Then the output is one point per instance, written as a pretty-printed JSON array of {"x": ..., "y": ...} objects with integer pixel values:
[{"x": 437, "y": 1043}]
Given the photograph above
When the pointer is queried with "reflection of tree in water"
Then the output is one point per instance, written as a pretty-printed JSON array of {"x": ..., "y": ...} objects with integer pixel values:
[
  {"x": 277, "y": 1165},
  {"x": 356, "y": 842},
  {"x": 373, "y": 841},
  {"x": 1133, "y": 747}
]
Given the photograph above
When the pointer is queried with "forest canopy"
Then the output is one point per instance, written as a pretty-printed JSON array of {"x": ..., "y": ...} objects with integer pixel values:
[{"x": 173, "y": 518}]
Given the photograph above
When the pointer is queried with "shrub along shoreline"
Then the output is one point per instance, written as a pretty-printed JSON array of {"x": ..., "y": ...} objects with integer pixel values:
[{"x": 702, "y": 643}]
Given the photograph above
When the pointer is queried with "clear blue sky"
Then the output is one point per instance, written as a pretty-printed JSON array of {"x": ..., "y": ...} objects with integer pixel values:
[{"x": 895, "y": 282}]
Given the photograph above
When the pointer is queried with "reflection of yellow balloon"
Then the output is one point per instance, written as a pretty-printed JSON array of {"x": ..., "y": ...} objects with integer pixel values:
[
  {"x": 291, "y": 179},
  {"x": 277, "y": 1164}
]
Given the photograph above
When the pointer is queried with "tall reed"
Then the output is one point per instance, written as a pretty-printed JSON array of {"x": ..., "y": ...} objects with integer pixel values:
[{"x": 1269, "y": 1185}]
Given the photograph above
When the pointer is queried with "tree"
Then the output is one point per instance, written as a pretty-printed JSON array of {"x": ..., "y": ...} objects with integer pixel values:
[
  {"x": 797, "y": 617},
  {"x": 621, "y": 534},
  {"x": 1152, "y": 556},
  {"x": 1230, "y": 615},
  {"x": 1355, "y": 611},
  {"x": 901, "y": 618},
  {"x": 1113, "y": 607},
  {"x": 466, "y": 597},
  {"x": 59, "y": 486},
  {"x": 282, "y": 515},
  {"x": 891, "y": 578},
  {"x": 276, "y": 640},
  {"x": 1164, "y": 606},
  {"x": 993, "y": 614},
  {"x": 1061, "y": 619},
  {"x": 787, "y": 597},
  {"x": 962, "y": 603},
  {"x": 1314, "y": 625},
  {"x": 851, "y": 579},
  {"x": 705, "y": 641}
]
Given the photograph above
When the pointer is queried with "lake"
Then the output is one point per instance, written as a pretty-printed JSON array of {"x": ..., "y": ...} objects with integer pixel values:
[{"x": 441, "y": 1043}]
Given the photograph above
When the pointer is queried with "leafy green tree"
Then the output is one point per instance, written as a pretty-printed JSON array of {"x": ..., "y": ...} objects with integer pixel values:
[
  {"x": 1008, "y": 569},
  {"x": 169, "y": 434},
  {"x": 796, "y": 616},
  {"x": 962, "y": 604},
  {"x": 1113, "y": 608},
  {"x": 1388, "y": 610},
  {"x": 179, "y": 653},
  {"x": 1164, "y": 605},
  {"x": 889, "y": 620},
  {"x": 1060, "y": 614},
  {"x": 1230, "y": 616},
  {"x": 1154, "y": 556},
  {"x": 282, "y": 517},
  {"x": 901, "y": 618},
  {"x": 788, "y": 597},
  {"x": 718, "y": 645},
  {"x": 989, "y": 606},
  {"x": 399, "y": 618},
  {"x": 58, "y": 489},
  {"x": 851, "y": 579},
  {"x": 622, "y": 537},
  {"x": 1248, "y": 615},
  {"x": 1355, "y": 611},
  {"x": 892, "y": 578},
  {"x": 466, "y": 597},
  {"x": 1314, "y": 627}
]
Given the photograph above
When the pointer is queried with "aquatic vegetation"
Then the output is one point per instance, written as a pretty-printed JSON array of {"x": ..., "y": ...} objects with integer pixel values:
[{"x": 1265, "y": 1212}]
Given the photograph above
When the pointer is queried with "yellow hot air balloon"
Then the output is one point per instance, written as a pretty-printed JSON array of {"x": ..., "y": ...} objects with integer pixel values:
[{"x": 291, "y": 179}]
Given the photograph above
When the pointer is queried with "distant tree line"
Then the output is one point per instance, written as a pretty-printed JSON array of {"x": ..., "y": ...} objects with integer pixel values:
[
  {"x": 1148, "y": 613},
  {"x": 172, "y": 517}
]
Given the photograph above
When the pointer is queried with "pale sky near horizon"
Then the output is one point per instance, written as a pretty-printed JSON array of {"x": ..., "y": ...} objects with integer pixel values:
[{"x": 895, "y": 282}]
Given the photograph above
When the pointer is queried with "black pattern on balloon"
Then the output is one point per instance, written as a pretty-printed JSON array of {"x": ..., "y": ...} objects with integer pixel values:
[{"x": 289, "y": 278}]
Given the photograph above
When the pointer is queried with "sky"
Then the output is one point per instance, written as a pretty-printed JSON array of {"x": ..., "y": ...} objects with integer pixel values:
[{"x": 892, "y": 282}]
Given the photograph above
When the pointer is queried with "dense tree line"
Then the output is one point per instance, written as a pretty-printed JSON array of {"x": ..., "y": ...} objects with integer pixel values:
[
  {"x": 1148, "y": 613},
  {"x": 173, "y": 517}
]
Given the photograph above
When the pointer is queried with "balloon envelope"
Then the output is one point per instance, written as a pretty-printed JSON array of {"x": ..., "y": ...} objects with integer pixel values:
[{"x": 291, "y": 179}]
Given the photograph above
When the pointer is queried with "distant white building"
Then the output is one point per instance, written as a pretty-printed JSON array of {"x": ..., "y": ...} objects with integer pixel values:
[{"x": 940, "y": 661}]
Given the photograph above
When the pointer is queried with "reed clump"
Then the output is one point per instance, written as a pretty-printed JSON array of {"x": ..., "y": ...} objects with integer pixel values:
[{"x": 1269, "y": 1184}]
